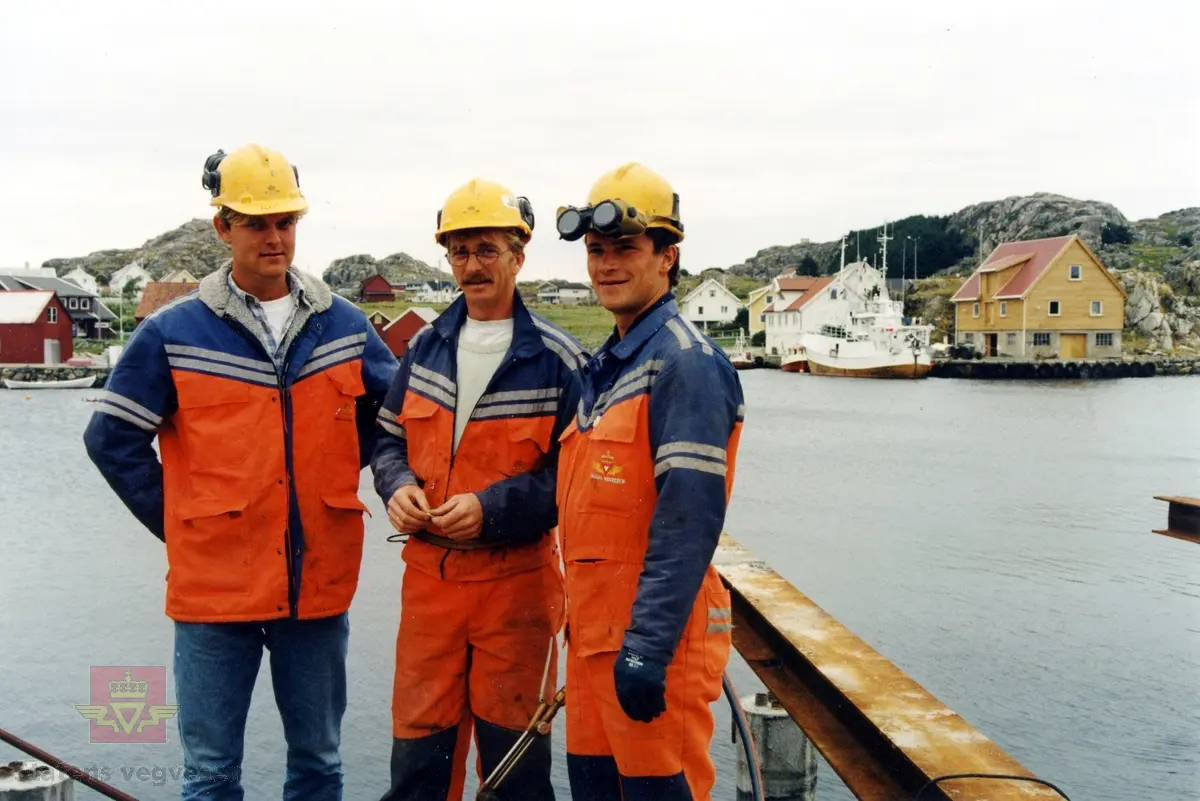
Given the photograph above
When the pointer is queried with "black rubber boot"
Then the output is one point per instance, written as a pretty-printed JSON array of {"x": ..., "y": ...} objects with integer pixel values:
[
  {"x": 593, "y": 778},
  {"x": 529, "y": 780},
  {"x": 421, "y": 768}
]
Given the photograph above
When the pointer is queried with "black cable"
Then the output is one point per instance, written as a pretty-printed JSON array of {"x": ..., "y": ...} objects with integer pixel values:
[
  {"x": 1005, "y": 777},
  {"x": 83, "y": 777},
  {"x": 739, "y": 720}
]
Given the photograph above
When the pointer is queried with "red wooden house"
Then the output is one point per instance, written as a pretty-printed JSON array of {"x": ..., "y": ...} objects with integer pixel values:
[
  {"x": 377, "y": 289},
  {"x": 398, "y": 332},
  {"x": 34, "y": 328}
]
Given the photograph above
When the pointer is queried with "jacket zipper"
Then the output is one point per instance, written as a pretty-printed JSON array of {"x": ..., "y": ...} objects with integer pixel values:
[{"x": 285, "y": 401}]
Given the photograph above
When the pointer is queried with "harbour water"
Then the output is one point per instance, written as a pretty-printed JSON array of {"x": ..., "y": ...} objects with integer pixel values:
[{"x": 992, "y": 539}]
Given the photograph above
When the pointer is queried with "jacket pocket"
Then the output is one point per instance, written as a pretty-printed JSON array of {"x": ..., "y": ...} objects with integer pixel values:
[
  {"x": 218, "y": 422},
  {"x": 425, "y": 450},
  {"x": 339, "y": 557},
  {"x": 613, "y": 481},
  {"x": 209, "y": 550},
  {"x": 341, "y": 434},
  {"x": 600, "y": 601},
  {"x": 718, "y": 626}
]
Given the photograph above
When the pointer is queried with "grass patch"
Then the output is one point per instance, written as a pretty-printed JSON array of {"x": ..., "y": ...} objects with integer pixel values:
[{"x": 1155, "y": 257}]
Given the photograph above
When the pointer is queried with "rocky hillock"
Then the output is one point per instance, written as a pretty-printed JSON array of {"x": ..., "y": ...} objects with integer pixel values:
[
  {"x": 346, "y": 274},
  {"x": 193, "y": 246}
]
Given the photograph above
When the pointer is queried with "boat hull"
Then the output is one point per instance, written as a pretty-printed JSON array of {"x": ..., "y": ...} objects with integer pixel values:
[
  {"x": 70, "y": 383},
  {"x": 909, "y": 370},
  {"x": 794, "y": 366}
]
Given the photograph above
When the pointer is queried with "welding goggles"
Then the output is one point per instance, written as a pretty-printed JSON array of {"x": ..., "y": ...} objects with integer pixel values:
[{"x": 613, "y": 218}]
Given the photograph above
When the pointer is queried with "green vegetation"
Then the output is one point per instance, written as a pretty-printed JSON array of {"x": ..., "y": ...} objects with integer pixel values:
[
  {"x": 1116, "y": 234},
  {"x": 1155, "y": 257},
  {"x": 935, "y": 244}
]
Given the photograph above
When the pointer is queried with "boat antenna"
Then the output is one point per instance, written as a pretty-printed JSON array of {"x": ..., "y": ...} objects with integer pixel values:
[{"x": 884, "y": 239}]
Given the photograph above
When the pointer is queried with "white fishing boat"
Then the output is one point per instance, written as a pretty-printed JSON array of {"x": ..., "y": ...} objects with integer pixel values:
[
  {"x": 868, "y": 335},
  {"x": 795, "y": 362},
  {"x": 66, "y": 383},
  {"x": 740, "y": 355}
]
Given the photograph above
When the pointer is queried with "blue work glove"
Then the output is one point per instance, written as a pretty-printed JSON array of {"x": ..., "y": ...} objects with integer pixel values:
[{"x": 641, "y": 685}]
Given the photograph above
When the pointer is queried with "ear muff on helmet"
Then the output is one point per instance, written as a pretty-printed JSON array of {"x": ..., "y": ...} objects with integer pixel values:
[
  {"x": 211, "y": 178},
  {"x": 526, "y": 209}
]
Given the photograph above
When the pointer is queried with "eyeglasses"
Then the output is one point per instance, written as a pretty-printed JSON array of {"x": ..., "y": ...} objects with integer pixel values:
[{"x": 484, "y": 254}]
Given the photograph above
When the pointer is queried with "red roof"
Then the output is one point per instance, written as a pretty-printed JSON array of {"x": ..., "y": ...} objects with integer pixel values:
[
  {"x": 817, "y": 285},
  {"x": 157, "y": 294},
  {"x": 801, "y": 283},
  {"x": 1037, "y": 254}
]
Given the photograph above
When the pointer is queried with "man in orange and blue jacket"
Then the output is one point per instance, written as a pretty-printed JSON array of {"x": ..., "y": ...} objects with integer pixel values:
[
  {"x": 644, "y": 479},
  {"x": 467, "y": 469},
  {"x": 262, "y": 388}
]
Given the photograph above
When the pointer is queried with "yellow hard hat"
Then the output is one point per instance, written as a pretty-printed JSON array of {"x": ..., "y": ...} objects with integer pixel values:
[
  {"x": 643, "y": 189},
  {"x": 483, "y": 204},
  {"x": 253, "y": 180}
]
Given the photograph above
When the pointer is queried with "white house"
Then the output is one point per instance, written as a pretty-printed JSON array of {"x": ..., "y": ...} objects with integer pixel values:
[
  {"x": 180, "y": 276},
  {"x": 433, "y": 291},
  {"x": 710, "y": 302},
  {"x": 83, "y": 279},
  {"x": 563, "y": 292},
  {"x": 796, "y": 311},
  {"x": 132, "y": 272}
]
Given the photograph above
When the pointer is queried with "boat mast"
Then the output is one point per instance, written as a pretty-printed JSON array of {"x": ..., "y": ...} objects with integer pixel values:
[{"x": 884, "y": 239}]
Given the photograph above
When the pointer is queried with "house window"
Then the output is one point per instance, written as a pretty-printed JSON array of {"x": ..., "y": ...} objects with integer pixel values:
[
  {"x": 52, "y": 314},
  {"x": 1010, "y": 338},
  {"x": 74, "y": 330},
  {"x": 1055, "y": 308},
  {"x": 1097, "y": 308},
  {"x": 1004, "y": 308},
  {"x": 724, "y": 309},
  {"x": 1104, "y": 340},
  {"x": 699, "y": 310},
  {"x": 770, "y": 298},
  {"x": 712, "y": 293},
  {"x": 762, "y": 318},
  {"x": 72, "y": 303},
  {"x": 85, "y": 304},
  {"x": 1041, "y": 340},
  {"x": 833, "y": 294},
  {"x": 1076, "y": 272},
  {"x": 968, "y": 338},
  {"x": 975, "y": 310}
]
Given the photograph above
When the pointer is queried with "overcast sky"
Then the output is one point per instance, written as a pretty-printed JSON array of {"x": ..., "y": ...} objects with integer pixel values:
[{"x": 774, "y": 121}]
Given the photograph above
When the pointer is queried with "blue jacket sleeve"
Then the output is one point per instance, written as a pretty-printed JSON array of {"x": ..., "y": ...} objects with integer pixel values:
[
  {"x": 522, "y": 508},
  {"x": 389, "y": 462},
  {"x": 138, "y": 397},
  {"x": 378, "y": 370},
  {"x": 695, "y": 404}
]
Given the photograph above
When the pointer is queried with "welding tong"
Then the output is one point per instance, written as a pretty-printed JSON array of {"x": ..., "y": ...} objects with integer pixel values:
[{"x": 539, "y": 726}]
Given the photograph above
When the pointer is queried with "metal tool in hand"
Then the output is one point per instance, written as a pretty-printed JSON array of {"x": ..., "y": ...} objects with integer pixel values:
[{"x": 539, "y": 726}]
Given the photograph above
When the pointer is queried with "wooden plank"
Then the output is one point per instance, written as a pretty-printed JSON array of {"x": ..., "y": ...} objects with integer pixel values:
[{"x": 884, "y": 734}]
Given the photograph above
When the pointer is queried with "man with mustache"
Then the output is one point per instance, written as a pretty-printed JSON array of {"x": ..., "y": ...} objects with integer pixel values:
[
  {"x": 467, "y": 469},
  {"x": 262, "y": 388},
  {"x": 644, "y": 479}
]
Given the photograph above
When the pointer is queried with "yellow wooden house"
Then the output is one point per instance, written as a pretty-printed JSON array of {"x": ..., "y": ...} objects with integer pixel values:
[
  {"x": 1047, "y": 298},
  {"x": 756, "y": 304}
]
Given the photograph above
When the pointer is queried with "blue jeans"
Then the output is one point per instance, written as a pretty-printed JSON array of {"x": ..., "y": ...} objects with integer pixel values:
[{"x": 216, "y": 665}]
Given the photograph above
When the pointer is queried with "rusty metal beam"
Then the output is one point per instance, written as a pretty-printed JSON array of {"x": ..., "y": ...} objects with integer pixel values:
[
  {"x": 884, "y": 734},
  {"x": 1183, "y": 518}
]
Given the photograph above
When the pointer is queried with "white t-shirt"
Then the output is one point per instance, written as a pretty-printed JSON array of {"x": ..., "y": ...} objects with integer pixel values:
[
  {"x": 481, "y": 348},
  {"x": 278, "y": 312}
]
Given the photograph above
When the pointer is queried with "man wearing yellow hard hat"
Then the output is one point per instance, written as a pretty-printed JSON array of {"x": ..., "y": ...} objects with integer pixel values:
[
  {"x": 262, "y": 388},
  {"x": 644, "y": 478},
  {"x": 467, "y": 468}
]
